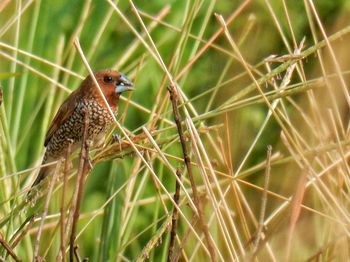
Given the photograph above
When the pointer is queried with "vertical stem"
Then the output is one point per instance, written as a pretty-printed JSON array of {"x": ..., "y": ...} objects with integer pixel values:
[
  {"x": 8, "y": 249},
  {"x": 82, "y": 171},
  {"x": 175, "y": 216},
  {"x": 204, "y": 226},
  {"x": 263, "y": 201}
]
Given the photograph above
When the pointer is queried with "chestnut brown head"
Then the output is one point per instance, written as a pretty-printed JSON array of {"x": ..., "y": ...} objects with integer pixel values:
[
  {"x": 112, "y": 83},
  {"x": 113, "y": 80}
]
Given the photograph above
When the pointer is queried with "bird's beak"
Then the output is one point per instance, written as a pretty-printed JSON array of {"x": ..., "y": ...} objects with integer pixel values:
[{"x": 124, "y": 84}]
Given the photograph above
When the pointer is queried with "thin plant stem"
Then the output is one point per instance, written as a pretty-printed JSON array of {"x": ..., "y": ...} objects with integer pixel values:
[
  {"x": 173, "y": 98},
  {"x": 82, "y": 173},
  {"x": 174, "y": 217},
  {"x": 8, "y": 248},
  {"x": 263, "y": 201},
  {"x": 44, "y": 214}
]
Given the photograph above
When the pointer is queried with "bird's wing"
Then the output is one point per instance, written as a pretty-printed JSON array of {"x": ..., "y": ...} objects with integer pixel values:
[{"x": 63, "y": 113}]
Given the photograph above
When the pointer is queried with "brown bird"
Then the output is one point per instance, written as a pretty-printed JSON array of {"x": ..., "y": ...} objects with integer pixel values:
[{"x": 68, "y": 124}]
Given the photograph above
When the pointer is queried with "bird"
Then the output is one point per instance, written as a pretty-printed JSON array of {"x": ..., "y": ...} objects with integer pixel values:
[{"x": 68, "y": 124}]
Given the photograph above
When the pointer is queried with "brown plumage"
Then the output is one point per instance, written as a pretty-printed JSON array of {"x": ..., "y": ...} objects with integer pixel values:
[{"x": 68, "y": 124}]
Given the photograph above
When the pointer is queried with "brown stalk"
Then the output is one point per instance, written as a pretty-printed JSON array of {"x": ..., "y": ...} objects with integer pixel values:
[
  {"x": 174, "y": 216},
  {"x": 0, "y": 96},
  {"x": 82, "y": 172},
  {"x": 76, "y": 253},
  {"x": 177, "y": 254},
  {"x": 296, "y": 209},
  {"x": 63, "y": 200},
  {"x": 177, "y": 118},
  {"x": 8, "y": 248}
]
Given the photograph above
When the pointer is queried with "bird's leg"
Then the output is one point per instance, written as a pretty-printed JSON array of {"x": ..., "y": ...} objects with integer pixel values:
[
  {"x": 69, "y": 151},
  {"x": 89, "y": 164},
  {"x": 88, "y": 159},
  {"x": 117, "y": 139}
]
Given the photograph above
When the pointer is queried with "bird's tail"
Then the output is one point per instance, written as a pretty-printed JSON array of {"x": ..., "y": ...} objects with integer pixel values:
[{"x": 44, "y": 172}]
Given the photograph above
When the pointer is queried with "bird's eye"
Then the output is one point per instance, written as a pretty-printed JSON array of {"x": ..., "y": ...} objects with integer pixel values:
[{"x": 108, "y": 79}]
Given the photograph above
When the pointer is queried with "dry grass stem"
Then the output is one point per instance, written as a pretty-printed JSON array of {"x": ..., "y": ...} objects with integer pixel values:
[
  {"x": 263, "y": 201},
  {"x": 7, "y": 247},
  {"x": 62, "y": 255},
  {"x": 295, "y": 211}
]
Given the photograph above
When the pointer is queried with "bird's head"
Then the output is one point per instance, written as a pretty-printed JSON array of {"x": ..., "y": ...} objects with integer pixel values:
[
  {"x": 110, "y": 80},
  {"x": 113, "y": 83}
]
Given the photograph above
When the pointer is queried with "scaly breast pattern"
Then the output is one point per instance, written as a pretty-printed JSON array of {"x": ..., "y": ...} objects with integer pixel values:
[{"x": 72, "y": 129}]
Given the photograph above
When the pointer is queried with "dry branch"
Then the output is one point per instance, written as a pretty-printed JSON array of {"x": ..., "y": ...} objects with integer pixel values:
[
  {"x": 120, "y": 149},
  {"x": 174, "y": 216},
  {"x": 177, "y": 118},
  {"x": 177, "y": 254},
  {"x": 82, "y": 172},
  {"x": 76, "y": 253},
  {"x": 8, "y": 249}
]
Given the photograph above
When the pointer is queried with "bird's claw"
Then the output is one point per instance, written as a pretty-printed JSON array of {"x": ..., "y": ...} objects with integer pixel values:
[
  {"x": 88, "y": 164},
  {"x": 117, "y": 139}
]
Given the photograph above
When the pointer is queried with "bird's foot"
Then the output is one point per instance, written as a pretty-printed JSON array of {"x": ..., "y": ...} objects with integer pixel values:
[
  {"x": 89, "y": 164},
  {"x": 117, "y": 139}
]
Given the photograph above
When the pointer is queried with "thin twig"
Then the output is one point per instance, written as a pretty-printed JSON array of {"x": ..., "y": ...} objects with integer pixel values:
[
  {"x": 8, "y": 248},
  {"x": 47, "y": 202},
  {"x": 77, "y": 254},
  {"x": 63, "y": 200},
  {"x": 82, "y": 171},
  {"x": 173, "y": 171},
  {"x": 177, "y": 118},
  {"x": 156, "y": 183},
  {"x": 177, "y": 254},
  {"x": 295, "y": 210},
  {"x": 175, "y": 216},
  {"x": 263, "y": 201},
  {"x": 24, "y": 230}
]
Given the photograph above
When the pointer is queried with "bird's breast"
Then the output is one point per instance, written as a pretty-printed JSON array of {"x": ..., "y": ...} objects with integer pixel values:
[{"x": 72, "y": 129}]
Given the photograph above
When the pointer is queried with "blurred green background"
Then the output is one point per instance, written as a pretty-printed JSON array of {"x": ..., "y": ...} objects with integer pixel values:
[{"x": 46, "y": 29}]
